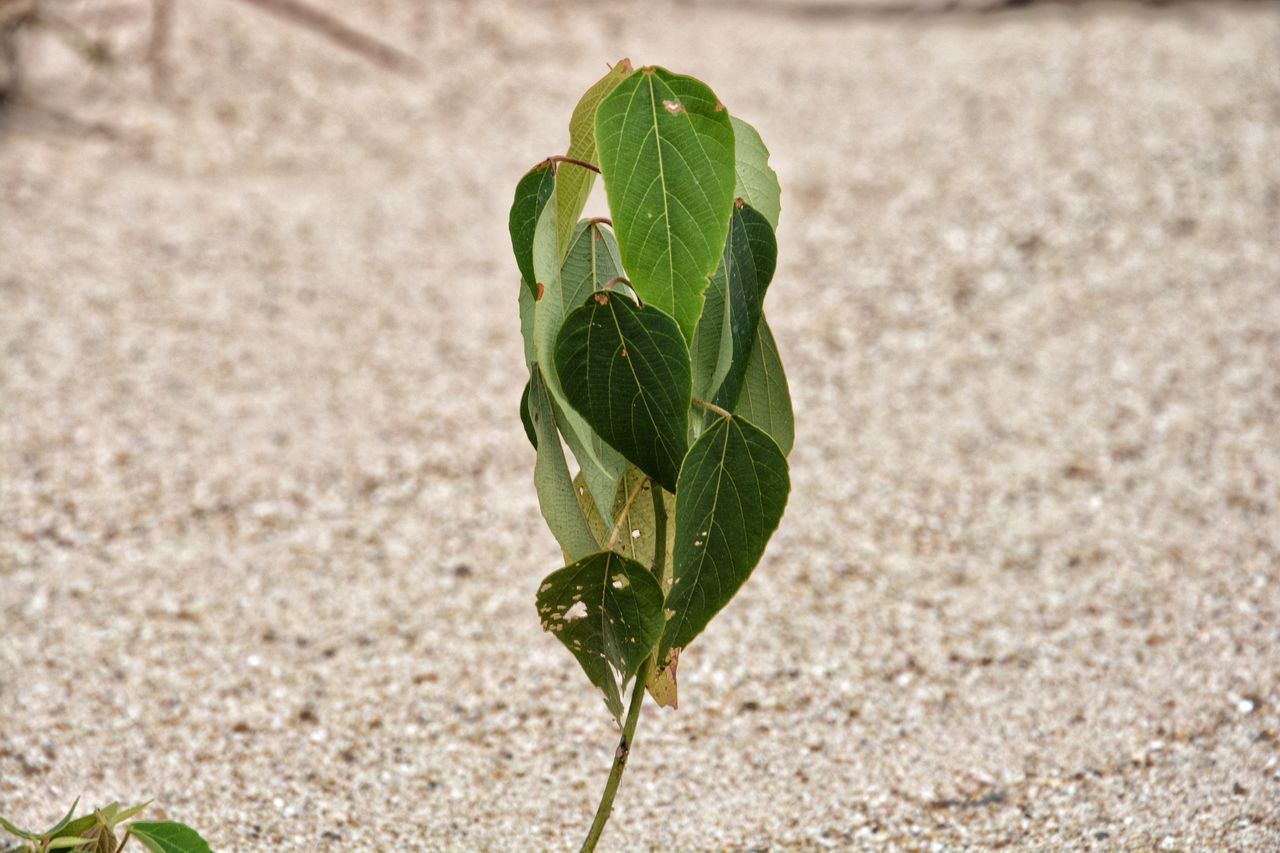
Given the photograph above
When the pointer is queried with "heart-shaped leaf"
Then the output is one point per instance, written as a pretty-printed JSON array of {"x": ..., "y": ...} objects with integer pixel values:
[
  {"x": 765, "y": 399},
  {"x": 607, "y": 610},
  {"x": 727, "y": 328},
  {"x": 573, "y": 182},
  {"x": 169, "y": 837},
  {"x": 532, "y": 194},
  {"x": 755, "y": 182},
  {"x": 732, "y": 491},
  {"x": 626, "y": 370},
  {"x": 666, "y": 152}
]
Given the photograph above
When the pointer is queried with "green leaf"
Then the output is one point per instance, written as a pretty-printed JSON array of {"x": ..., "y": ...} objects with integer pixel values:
[
  {"x": 626, "y": 370},
  {"x": 588, "y": 266},
  {"x": 21, "y": 833},
  {"x": 528, "y": 305},
  {"x": 766, "y": 400},
  {"x": 532, "y": 194},
  {"x": 83, "y": 826},
  {"x": 551, "y": 478},
  {"x": 66, "y": 842},
  {"x": 732, "y": 491},
  {"x": 573, "y": 183},
  {"x": 666, "y": 153},
  {"x": 525, "y": 418},
  {"x": 727, "y": 328},
  {"x": 607, "y": 610},
  {"x": 169, "y": 837},
  {"x": 132, "y": 811},
  {"x": 66, "y": 819},
  {"x": 755, "y": 182}
]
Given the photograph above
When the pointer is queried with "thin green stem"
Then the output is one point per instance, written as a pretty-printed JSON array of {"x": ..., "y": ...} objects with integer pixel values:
[{"x": 637, "y": 693}]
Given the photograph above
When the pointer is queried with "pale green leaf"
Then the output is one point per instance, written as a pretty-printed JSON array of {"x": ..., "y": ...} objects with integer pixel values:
[
  {"x": 65, "y": 842},
  {"x": 727, "y": 328},
  {"x": 755, "y": 181},
  {"x": 666, "y": 152},
  {"x": 607, "y": 610},
  {"x": 169, "y": 837},
  {"x": 625, "y": 369},
  {"x": 573, "y": 183},
  {"x": 14, "y": 830},
  {"x": 528, "y": 304},
  {"x": 765, "y": 399},
  {"x": 551, "y": 478},
  {"x": 732, "y": 492},
  {"x": 66, "y": 819}
]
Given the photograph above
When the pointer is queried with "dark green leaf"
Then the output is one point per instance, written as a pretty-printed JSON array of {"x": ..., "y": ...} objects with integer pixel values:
[
  {"x": 525, "y": 417},
  {"x": 551, "y": 478},
  {"x": 727, "y": 328},
  {"x": 666, "y": 153},
  {"x": 755, "y": 181},
  {"x": 573, "y": 183},
  {"x": 766, "y": 400},
  {"x": 626, "y": 370},
  {"x": 532, "y": 194},
  {"x": 607, "y": 610},
  {"x": 732, "y": 491},
  {"x": 169, "y": 837}
]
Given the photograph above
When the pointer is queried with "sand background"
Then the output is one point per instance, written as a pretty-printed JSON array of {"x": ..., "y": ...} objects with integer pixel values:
[{"x": 268, "y": 535}]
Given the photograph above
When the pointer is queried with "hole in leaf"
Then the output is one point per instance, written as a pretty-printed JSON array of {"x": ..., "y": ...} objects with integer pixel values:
[{"x": 577, "y": 611}]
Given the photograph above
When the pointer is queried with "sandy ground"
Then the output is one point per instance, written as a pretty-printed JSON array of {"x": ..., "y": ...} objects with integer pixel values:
[{"x": 268, "y": 536}]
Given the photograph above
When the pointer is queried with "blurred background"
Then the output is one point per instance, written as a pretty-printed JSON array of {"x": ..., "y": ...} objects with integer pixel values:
[{"x": 268, "y": 535}]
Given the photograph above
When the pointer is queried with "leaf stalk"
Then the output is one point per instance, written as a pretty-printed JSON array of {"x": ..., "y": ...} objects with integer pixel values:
[{"x": 625, "y": 742}]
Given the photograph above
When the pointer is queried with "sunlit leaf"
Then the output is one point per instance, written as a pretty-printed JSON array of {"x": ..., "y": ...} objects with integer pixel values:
[
  {"x": 14, "y": 830},
  {"x": 666, "y": 152},
  {"x": 607, "y": 610},
  {"x": 755, "y": 182},
  {"x": 169, "y": 837},
  {"x": 732, "y": 491},
  {"x": 573, "y": 183},
  {"x": 625, "y": 368}
]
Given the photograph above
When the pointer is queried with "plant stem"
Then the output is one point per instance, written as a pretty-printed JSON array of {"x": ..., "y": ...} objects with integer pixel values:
[
  {"x": 626, "y": 508},
  {"x": 713, "y": 408},
  {"x": 558, "y": 158},
  {"x": 637, "y": 692}
]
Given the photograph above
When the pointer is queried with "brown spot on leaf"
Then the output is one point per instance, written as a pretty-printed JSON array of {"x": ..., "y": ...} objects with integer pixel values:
[
  {"x": 738, "y": 203},
  {"x": 541, "y": 290},
  {"x": 648, "y": 69},
  {"x": 602, "y": 298},
  {"x": 624, "y": 63},
  {"x": 674, "y": 107},
  {"x": 719, "y": 106},
  {"x": 662, "y": 682}
]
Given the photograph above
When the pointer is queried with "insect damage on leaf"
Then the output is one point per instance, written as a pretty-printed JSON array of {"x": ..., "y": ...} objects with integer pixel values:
[{"x": 650, "y": 359}]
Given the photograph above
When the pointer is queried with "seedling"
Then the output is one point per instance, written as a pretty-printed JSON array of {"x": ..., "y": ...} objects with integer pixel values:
[
  {"x": 649, "y": 355},
  {"x": 100, "y": 832}
]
